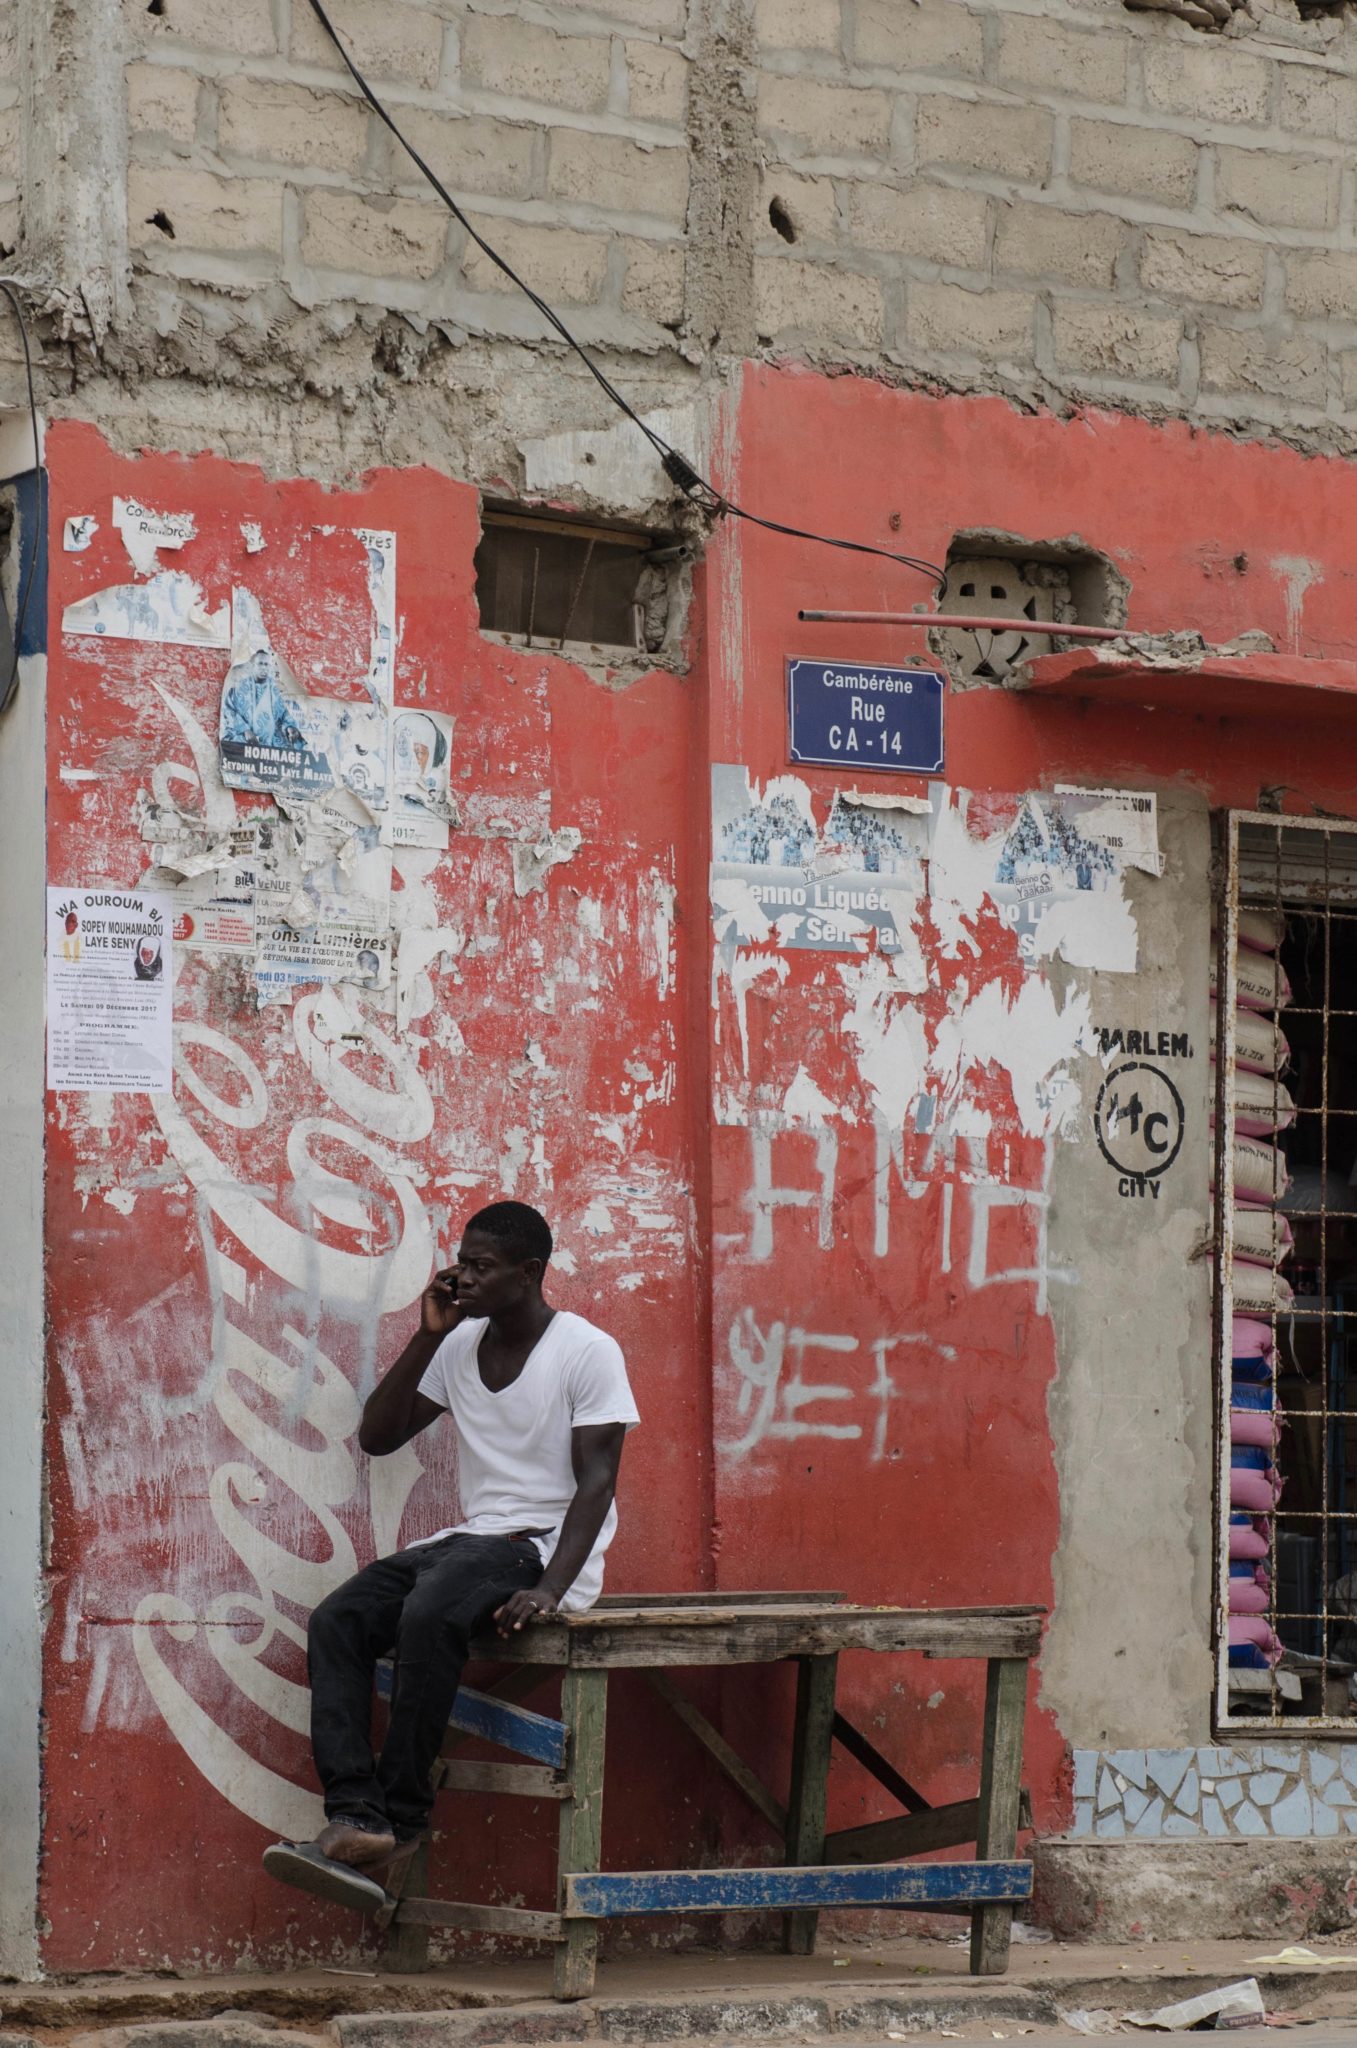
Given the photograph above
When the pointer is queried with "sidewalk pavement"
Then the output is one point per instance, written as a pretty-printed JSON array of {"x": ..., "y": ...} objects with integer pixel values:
[{"x": 912, "y": 1986}]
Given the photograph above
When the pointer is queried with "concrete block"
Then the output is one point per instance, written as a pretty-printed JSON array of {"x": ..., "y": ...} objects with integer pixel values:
[
  {"x": 1259, "y": 1890},
  {"x": 659, "y": 17},
  {"x": 162, "y": 99},
  {"x": 980, "y": 135},
  {"x": 503, "y": 53},
  {"x": 1044, "y": 242},
  {"x": 798, "y": 24},
  {"x": 290, "y": 124},
  {"x": 1116, "y": 341},
  {"x": 471, "y": 154},
  {"x": 242, "y": 27},
  {"x": 1256, "y": 362},
  {"x": 823, "y": 119},
  {"x": 607, "y": 170},
  {"x": 700, "y": 2018},
  {"x": 653, "y": 285},
  {"x": 385, "y": 38},
  {"x": 657, "y": 82},
  {"x": 379, "y": 237},
  {"x": 1143, "y": 163},
  {"x": 817, "y": 302},
  {"x": 557, "y": 262},
  {"x": 1275, "y": 189},
  {"x": 1208, "y": 81},
  {"x": 935, "y": 222},
  {"x": 1347, "y": 370},
  {"x": 808, "y": 203},
  {"x": 926, "y": 2013},
  {"x": 1321, "y": 282},
  {"x": 1318, "y": 102},
  {"x": 1212, "y": 270},
  {"x": 936, "y": 35},
  {"x": 461, "y": 2028},
  {"x": 949, "y": 319},
  {"x": 1088, "y": 64},
  {"x": 204, "y": 211}
]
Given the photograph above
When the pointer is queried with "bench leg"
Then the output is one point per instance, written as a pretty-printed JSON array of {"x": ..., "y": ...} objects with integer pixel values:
[
  {"x": 407, "y": 1945},
  {"x": 584, "y": 1709},
  {"x": 1000, "y": 1794},
  {"x": 811, "y": 1740}
]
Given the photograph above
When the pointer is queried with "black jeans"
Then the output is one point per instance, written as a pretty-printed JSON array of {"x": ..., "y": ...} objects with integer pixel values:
[{"x": 425, "y": 1604}]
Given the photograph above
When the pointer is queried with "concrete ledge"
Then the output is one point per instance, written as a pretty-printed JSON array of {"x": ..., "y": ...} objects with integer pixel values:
[{"x": 1235, "y": 1890}]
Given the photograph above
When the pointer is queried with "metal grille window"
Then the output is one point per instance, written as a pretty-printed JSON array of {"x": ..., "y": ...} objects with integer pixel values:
[{"x": 1285, "y": 1226}]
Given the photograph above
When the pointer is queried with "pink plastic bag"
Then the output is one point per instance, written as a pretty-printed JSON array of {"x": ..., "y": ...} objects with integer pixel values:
[
  {"x": 1258, "y": 1427},
  {"x": 1251, "y": 1542},
  {"x": 1254, "y": 1493},
  {"x": 1251, "y": 1338},
  {"x": 1253, "y": 1630}
]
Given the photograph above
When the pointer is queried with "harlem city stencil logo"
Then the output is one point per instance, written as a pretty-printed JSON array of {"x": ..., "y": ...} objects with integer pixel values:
[{"x": 1139, "y": 1120}]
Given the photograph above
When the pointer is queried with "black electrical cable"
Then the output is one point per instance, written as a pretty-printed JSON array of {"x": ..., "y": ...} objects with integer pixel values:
[
  {"x": 676, "y": 466},
  {"x": 40, "y": 520}
]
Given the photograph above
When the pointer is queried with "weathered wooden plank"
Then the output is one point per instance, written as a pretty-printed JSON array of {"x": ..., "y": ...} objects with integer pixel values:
[
  {"x": 663, "y": 1640},
  {"x": 516, "y": 1728},
  {"x": 524, "y": 1781},
  {"x": 999, "y": 1803},
  {"x": 716, "y": 1746},
  {"x": 869, "y": 1756},
  {"x": 426, "y": 1913},
  {"x": 910, "y": 1834},
  {"x": 812, "y": 1737},
  {"x": 510, "y": 1687},
  {"x": 407, "y": 1943},
  {"x": 584, "y": 1707},
  {"x": 925, "y": 1886},
  {"x": 678, "y": 1602}
]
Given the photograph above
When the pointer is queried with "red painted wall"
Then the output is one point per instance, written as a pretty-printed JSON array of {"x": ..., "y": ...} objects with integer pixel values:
[{"x": 204, "y": 1383}]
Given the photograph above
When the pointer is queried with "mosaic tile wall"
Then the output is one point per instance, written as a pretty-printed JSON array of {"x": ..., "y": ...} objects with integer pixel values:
[{"x": 1265, "y": 1788}]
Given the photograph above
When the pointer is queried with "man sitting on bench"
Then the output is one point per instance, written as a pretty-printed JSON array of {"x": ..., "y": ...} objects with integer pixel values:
[{"x": 541, "y": 1405}]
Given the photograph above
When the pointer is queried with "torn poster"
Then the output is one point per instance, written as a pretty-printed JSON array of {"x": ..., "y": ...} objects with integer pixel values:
[
  {"x": 1060, "y": 891},
  {"x": 144, "y": 532},
  {"x": 421, "y": 808},
  {"x": 214, "y": 904},
  {"x": 170, "y": 607},
  {"x": 381, "y": 553},
  {"x": 79, "y": 532},
  {"x": 273, "y": 737},
  {"x": 1126, "y": 821},
  {"x": 773, "y": 876},
  {"x": 110, "y": 991},
  {"x": 285, "y": 958}
]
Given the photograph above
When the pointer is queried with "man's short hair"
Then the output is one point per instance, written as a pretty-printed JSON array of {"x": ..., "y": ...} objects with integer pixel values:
[{"x": 523, "y": 1232}]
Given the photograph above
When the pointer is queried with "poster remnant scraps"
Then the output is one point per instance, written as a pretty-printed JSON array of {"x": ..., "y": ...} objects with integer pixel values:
[
  {"x": 276, "y": 739},
  {"x": 1060, "y": 891},
  {"x": 145, "y": 532},
  {"x": 381, "y": 554},
  {"x": 287, "y": 959},
  {"x": 170, "y": 607},
  {"x": 421, "y": 807},
  {"x": 214, "y": 888},
  {"x": 79, "y": 532},
  {"x": 110, "y": 991},
  {"x": 252, "y": 533},
  {"x": 775, "y": 876},
  {"x": 1125, "y": 821}
]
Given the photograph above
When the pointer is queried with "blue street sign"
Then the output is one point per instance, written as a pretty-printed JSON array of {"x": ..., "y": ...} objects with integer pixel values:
[{"x": 853, "y": 713}]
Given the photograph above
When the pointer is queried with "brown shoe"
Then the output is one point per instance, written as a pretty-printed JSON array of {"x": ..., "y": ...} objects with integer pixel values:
[{"x": 361, "y": 1848}]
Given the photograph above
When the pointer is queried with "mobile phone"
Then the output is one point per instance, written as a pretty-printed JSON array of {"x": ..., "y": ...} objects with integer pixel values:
[{"x": 448, "y": 1279}]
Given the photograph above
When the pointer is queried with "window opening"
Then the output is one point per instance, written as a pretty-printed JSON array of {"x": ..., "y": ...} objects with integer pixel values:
[
  {"x": 1054, "y": 582},
  {"x": 1285, "y": 1229},
  {"x": 547, "y": 582}
]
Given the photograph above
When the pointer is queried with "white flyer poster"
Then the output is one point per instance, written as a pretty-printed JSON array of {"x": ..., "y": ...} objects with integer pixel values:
[{"x": 110, "y": 992}]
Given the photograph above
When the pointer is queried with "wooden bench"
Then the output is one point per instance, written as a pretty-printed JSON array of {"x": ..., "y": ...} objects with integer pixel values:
[{"x": 857, "y": 1867}]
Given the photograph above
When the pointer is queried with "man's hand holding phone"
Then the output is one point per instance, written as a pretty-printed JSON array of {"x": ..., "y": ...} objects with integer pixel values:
[{"x": 440, "y": 1310}]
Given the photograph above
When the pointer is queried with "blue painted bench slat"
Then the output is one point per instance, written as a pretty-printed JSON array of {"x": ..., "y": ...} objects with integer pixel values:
[
  {"x": 610, "y": 1894},
  {"x": 479, "y": 1713}
]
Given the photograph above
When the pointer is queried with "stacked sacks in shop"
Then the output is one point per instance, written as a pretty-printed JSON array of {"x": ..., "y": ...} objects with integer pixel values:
[{"x": 1262, "y": 1241}]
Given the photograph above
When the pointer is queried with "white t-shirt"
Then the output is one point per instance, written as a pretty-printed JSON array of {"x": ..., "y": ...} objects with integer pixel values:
[{"x": 513, "y": 1448}]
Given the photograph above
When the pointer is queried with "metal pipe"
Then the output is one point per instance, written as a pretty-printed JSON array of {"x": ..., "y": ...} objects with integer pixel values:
[{"x": 1018, "y": 625}]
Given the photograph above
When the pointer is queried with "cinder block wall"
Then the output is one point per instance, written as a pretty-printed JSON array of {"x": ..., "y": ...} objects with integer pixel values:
[
  {"x": 1055, "y": 198},
  {"x": 1069, "y": 198}
]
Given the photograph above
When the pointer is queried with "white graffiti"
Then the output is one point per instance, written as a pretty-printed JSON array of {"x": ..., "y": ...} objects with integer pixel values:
[{"x": 774, "y": 1393}]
